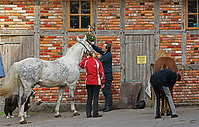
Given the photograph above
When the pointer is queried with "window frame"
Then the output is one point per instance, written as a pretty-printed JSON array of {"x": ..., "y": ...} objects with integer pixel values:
[
  {"x": 192, "y": 28},
  {"x": 79, "y": 14}
]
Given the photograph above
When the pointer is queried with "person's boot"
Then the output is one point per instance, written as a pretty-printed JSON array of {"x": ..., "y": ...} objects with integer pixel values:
[
  {"x": 107, "y": 109},
  {"x": 157, "y": 117},
  {"x": 174, "y": 116},
  {"x": 104, "y": 108}
]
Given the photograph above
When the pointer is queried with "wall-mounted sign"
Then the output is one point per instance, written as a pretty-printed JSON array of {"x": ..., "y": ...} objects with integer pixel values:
[{"x": 141, "y": 59}]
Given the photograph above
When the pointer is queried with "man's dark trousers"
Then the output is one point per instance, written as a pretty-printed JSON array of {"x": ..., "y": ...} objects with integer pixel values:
[
  {"x": 92, "y": 92},
  {"x": 107, "y": 94}
]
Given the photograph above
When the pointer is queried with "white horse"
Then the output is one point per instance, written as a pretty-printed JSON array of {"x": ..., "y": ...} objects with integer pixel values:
[{"x": 59, "y": 73}]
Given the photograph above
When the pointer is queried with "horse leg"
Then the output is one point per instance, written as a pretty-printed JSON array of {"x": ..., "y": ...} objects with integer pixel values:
[
  {"x": 163, "y": 104},
  {"x": 23, "y": 99},
  {"x": 167, "y": 108},
  {"x": 26, "y": 108},
  {"x": 61, "y": 91},
  {"x": 153, "y": 97},
  {"x": 72, "y": 98}
]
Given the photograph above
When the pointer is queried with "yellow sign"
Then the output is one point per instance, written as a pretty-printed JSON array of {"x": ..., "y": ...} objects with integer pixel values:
[{"x": 141, "y": 59}]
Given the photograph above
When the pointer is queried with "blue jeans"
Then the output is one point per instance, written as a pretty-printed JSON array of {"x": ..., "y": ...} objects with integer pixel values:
[
  {"x": 107, "y": 94},
  {"x": 92, "y": 92}
]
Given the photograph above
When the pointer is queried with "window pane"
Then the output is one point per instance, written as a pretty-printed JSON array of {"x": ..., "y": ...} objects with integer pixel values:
[
  {"x": 192, "y": 6},
  {"x": 74, "y": 22},
  {"x": 192, "y": 20},
  {"x": 85, "y": 21},
  {"x": 85, "y": 6},
  {"x": 74, "y": 7}
]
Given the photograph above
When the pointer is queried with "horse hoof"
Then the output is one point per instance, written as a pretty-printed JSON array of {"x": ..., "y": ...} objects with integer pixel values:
[
  {"x": 12, "y": 116},
  {"x": 57, "y": 116},
  {"x": 23, "y": 122},
  {"x": 76, "y": 114},
  {"x": 26, "y": 116}
]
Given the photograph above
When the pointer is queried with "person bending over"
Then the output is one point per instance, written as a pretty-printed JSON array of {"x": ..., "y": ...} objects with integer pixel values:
[{"x": 164, "y": 81}]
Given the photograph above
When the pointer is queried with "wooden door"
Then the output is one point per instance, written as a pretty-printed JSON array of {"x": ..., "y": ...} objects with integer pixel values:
[{"x": 139, "y": 47}]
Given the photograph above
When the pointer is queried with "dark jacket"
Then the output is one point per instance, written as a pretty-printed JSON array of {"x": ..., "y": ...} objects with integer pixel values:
[
  {"x": 2, "y": 74},
  {"x": 164, "y": 77},
  {"x": 106, "y": 61}
]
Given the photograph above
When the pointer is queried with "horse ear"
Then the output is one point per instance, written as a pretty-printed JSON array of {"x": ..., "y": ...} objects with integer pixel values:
[
  {"x": 85, "y": 37},
  {"x": 78, "y": 39}
]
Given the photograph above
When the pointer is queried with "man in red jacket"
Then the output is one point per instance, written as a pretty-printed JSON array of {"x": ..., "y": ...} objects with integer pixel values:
[{"x": 94, "y": 78}]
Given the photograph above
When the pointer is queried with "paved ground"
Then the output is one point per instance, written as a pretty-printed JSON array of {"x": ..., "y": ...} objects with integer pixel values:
[{"x": 188, "y": 117}]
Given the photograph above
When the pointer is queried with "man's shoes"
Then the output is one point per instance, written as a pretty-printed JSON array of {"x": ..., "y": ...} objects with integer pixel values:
[
  {"x": 89, "y": 116},
  {"x": 102, "y": 109},
  {"x": 97, "y": 116},
  {"x": 174, "y": 116},
  {"x": 107, "y": 110},
  {"x": 157, "y": 117}
]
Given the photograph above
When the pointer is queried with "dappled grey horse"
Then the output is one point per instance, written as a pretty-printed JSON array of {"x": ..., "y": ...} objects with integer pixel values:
[{"x": 59, "y": 73}]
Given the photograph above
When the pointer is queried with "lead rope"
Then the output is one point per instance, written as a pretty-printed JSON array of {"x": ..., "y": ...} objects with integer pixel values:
[{"x": 87, "y": 51}]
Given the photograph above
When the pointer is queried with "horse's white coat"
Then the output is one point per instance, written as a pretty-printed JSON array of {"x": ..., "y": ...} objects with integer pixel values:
[{"x": 59, "y": 73}]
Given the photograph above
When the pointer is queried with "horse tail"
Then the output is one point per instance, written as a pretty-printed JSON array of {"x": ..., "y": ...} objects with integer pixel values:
[
  {"x": 164, "y": 66},
  {"x": 10, "y": 82},
  {"x": 162, "y": 53}
]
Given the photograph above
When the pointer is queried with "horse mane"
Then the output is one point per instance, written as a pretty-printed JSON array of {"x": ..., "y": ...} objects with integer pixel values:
[{"x": 162, "y": 53}]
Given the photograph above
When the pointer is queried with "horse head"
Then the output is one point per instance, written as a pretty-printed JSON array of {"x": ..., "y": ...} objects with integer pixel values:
[{"x": 86, "y": 45}]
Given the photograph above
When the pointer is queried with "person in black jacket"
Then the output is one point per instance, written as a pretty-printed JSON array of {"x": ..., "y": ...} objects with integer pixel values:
[
  {"x": 164, "y": 81},
  {"x": 106, "y": 61}
]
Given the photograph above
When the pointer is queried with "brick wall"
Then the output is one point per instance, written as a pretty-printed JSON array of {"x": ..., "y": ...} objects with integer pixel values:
[
  {"x": 50, "y": 47},
  {"x": 139, "y": 14},
  {"x": 17, "y": 15},
  {"x": 172, "y": 44},
  {"x": 108, "y": 15},
  {"x": 187, "y": 90},
  {"x": 192, "y": 48},
  {"x": 51, "y": 15},
  {"x": 170, "y": 14}
]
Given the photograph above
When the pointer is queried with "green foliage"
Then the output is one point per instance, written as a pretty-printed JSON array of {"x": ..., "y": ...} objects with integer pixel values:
[
  {"x": 1, "y": 113},
  {"x": 90, "y": 37}
]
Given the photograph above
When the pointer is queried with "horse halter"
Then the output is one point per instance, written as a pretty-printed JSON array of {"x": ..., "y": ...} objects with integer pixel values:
[{"x": 87, "y": 51}]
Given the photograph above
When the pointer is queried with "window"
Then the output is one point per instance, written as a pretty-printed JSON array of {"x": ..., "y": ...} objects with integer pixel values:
[
  {"x": 79, "y": 15},
  {"x": 192, "y": 14}
]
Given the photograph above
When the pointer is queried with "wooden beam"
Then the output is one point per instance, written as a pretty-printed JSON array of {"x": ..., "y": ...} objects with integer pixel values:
[
  {"x": 95, "y": 9},
  {"x": 52, "y": 32},
  {"x": 36, "y": 29},
  {"x": 65, "y": 25},
  {"x": 122, "y": 40},
  {"x": 188, "y": 67},
  {"x": 156, "y": 26},
  {"x": 184, "y": 35},
  {"x": 109, "y": 32},
  {"x": 139, "y": 32},
  {"x": 192, "y": 31},
  {"x": 16, "y": 32},
  {"x": 171, "y": 32}
]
